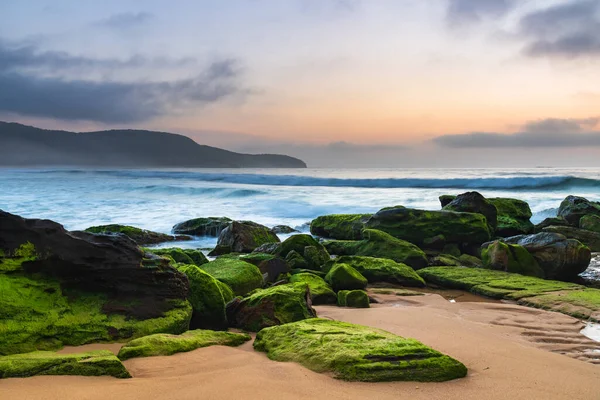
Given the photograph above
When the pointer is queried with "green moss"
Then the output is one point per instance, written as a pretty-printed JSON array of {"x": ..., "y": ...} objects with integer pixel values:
[
  {"x": 165, "y": 345},
  {"x": 93, "y": 363},
  {"x": 379, "y": 244},
  {"x": 182, "y": 256},
  {"x": 140, "y": 236},
  {"x": 240, "y": 276},
  {"x": 491, "y": 283},
  {"x": 339, "y": 226},
  {"x": 514, "y": 208},
  {"x": 583, "y": 304},
  {"x": 276, "y": 305},
  {"x": 445, "y": 260},
  {"x": 344, "y": 277},
  {"x": 470, "y": 261},
  {"x": 38, "y": 314},
  {"x": 342, "y": 247},
  {"x": 590, "y": 222},
  {"x": 353, "y": 298},
  {"x": 12, "y": 261},
  {"x": 382, "y": 270},
  {"x": 510, "y": 258},
  {"x": 320, "y": 291},
  {"x": 356, "y": 353},
  {"x": 306, "y": 252}
]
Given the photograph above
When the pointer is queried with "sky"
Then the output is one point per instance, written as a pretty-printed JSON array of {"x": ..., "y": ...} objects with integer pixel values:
[{"x": 338, "y": 83}]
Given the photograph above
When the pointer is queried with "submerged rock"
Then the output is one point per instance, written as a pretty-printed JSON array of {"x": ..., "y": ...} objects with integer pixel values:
[
  {"x": 165, "y": 345},
  {"x": 276, "y": 305},
  {"x": 353, "y": 298},
  {"x": 320, "y": 291},
  {"x": 142, "y": 237},
  {"x": 356, "y": 353},
  {"x": 245, "y": 236},
  {"x": 474, "y": 202},
  {"x": 209, "y": 226},
  {"x": 241, "y": 276},
  {"x": 92, "y": 363},
  {"x": 339, "y": 226},
  {"x": 378, "y": 270},
  {"x": 589, "y": 238},
  {"x": 344, "y": 277},
  {"x": 573, "y": 208},
  {"x": 510, "y": 258}
]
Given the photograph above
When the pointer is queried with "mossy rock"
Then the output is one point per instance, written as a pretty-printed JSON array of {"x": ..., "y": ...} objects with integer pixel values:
[
  {"x": 551, "y": 221},
  {"x": 182, "y": 256},
  {"x": 276, "y": 305},
  {"x": 271, "y": 266},
  {"x": 379, "y": 244},
  {"x": 344, "y": 277},
  {"x": 416, "y": 226},
  {"x": 241, "y": 276},
  {"x": 589, "y": 238},
  {"x": 468, "y": 260},
  {"x": 353, "y": 298},
  {"x": 166, "y": 345},
  {"x": 510, "y": 258},
  {"x": 306, "y": 252},
  {"x": 573, "y": 208},
  {"x": 495, "y": 284},
  {"x": 583, "y": 304},
  {"x": 339, "y": 226},
  {"x": 474, "y": 202},
  {"x": 590, "y": 222},
  {"x": 141, "y": 236},
  {"x": 245, "y": 236},
  {"x": 208, "y": 297},
  {"x": 356, "y": 353},
  {"x": 209, "y": 226},
  {"x": 513, "y": 217},
  {"x": 381, "y": 270},
  {"x": 296, "y": 261},
  {"x": 446, "y": 199},
  {"x": 320, "y": 291},
  {"x": 444, "y": 260},
  {"x": 93, "y": 363},
  {"x": 342, "y": 247}
]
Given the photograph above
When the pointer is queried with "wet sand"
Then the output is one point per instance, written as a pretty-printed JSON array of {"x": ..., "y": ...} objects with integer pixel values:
[{"x": 497, "y": 342}]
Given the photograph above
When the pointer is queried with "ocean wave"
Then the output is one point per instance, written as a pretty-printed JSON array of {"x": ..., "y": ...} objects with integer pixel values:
[{"x": 199, "y": 191}]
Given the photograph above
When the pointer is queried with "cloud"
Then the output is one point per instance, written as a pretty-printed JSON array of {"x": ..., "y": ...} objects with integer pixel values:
[
  {"x": 539, "y": 134},
  {"x": 40, "y": 84},
  {"x": 469, "y": 11},
  {"x": 125, "y": 20},
  {"x": 568, "y": 30}
]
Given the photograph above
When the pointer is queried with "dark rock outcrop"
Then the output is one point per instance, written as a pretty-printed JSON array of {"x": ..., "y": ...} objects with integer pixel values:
[
  {"x": 245, "y": 236},
  {"x": 283, "y": 229},
  {"x": 142, "y": 237},
  {"x": 210, "y": 226},
  {"x": 589, "y": 238},
  {"x": 573, "y": 208},
  {"x": 474, "y": 202}
]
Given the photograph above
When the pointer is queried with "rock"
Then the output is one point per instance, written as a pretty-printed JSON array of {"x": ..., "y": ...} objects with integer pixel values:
[
  {"x": 550, "y": 222},
  {"x": 269, "y": 265},
  {"x": 510, "y": 258},
  {"x": 268, "y": 248},
  {"x": 589, "y": 238},
  {"x": 378, "y": 270},
  {"x": 276, "y": 305},
  {"x": 339, "y": 226},
  {"x": 444, "y": 260},
  {"x": 446, "y": 199},
  {"x": 245, "y": 236},
  {"x": 583, "y": 304},
  {"x": 590, "y": 222},
  {"x": 356, "y": 353},
  {"x": 283, "y": 229},
  {"x": 141, "y": 236},
  {"x": 88, "y": 288},
  {"x": 210, "y": 226},
  {"x": 513, "y": 217},
  {"x": 470, "y": 261},
  {"x": 573, "y": 208},
  {"x": 220, "y": 250},
  {"x": 474, "y": 202},
  {"x": 307, "y": 252},
  {"x": 181, "y": 256},
  {"x": 344, "y": 277},
  {"x": 92, "y": 363},
  {"x": 559, "y": 257},
  {"x": 417, "y": 225},
  {"x": 320, "y": 291},
  {"x": 165, "y": 345},
  {"x": 438, "y": 242},
  {"x": 451, "y": 249},
  {"x": 341, "y": 247},
  {"x": 353, "y": 298},
  {"x": 208, "y": 297},
  {"x": 241, "y": 276}
]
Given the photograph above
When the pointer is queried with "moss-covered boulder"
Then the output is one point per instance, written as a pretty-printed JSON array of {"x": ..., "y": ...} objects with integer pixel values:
[
  {"x": 303, "y": 251},
  {"x": 559, "y": 257},
  {"x": 93, "y": 363},
  {"x": 276, "y": 305},
  {"x": 339, "y": 226},
  {"x": 241, "y": 276},
  {"x": 590, "y": 222},
  {"x": 271, "y": 266},
  {"x": 513, "y": 217},
  {"x": 344, "y": 277},
  {"x": 208, "y": 297},
  {"x": 417, "y": 225},
  {"x": 181, "y": 256},
  {"x": 468, "y": 260},
  {"x": 474, "y": 202},
  {"x": 491, "y": 283},
  {"x": 209, "y": 226},
  {"x": 353, "y": 298},
  {"x": 356, "y": 353},
  {"x": 341, "y": 247},
  {"x": 165, "y": 345},
  {"x": 589, "y": 238},
  {"x": 446, "y": 199},
  {"x": 510, "y": 258},
  {"x": 320, "y": 291},
  {"x": 573, "y": 208},
  {"x": 551, "y": 221},
  {"x": 378, "y": 270},
  {"x": 444, "y": 260},
  {"x": 142, "y": 237},
  {"x": 245, "y": 236}
]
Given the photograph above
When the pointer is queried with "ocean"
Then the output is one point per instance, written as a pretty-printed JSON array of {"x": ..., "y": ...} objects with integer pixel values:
[{"x": 158, "y": 199}]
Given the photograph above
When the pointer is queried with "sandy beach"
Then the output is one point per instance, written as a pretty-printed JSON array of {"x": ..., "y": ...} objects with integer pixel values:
[{"x": 511, "y": 352}]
